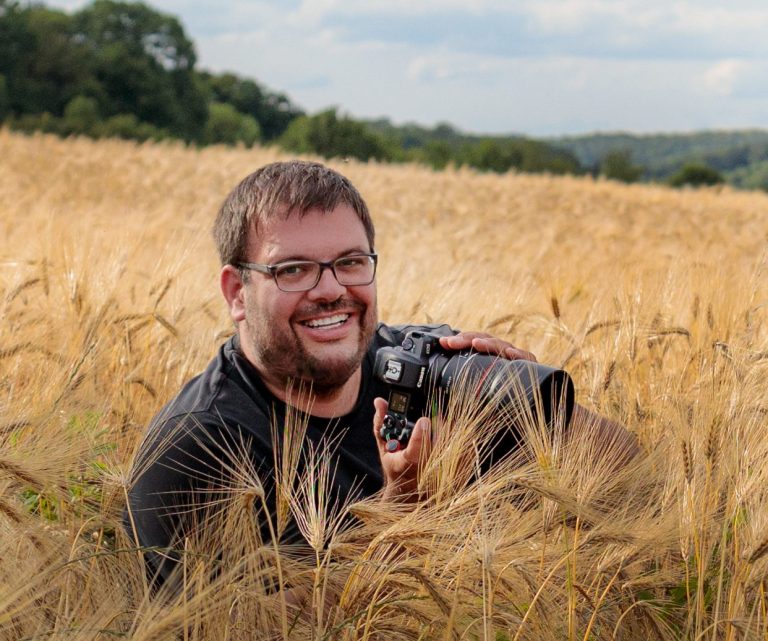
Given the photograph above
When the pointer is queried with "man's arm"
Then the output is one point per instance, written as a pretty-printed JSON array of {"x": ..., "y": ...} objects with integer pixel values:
[
  {"x": 611, "y": 442},
  {"x": 184, "y": 474}
]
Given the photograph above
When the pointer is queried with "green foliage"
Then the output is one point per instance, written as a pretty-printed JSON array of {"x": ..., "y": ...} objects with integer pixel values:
[
  {"x": 435, "y": 153},
  {"x": 696, "y": 174},
  {"x": 618, "y": 165},
  {"x": 227, "y": 125},
  {"x": 143, "y": 61},
  {"x": 81, "y": 115},
  {"x": 444, "y": 144},
  {"x": 331, "y": 137},
  {"x": 733, "y": 153},
  {"x": 5, "y": 101},
  {"x": 752, "y": 176},
  {"x": 415, "y": 137},
  {"x": 272, "y": 111},
  {"x": 46, "y": 66},
  {"x": 521, "y": 154},
  {"x": 41, "y": 504},
  {"x": 127, "y": 59},
  {"x": 29, "y": 123},
  {"x": 493, "y": 155},
  {"x": 128, "y": 127}
]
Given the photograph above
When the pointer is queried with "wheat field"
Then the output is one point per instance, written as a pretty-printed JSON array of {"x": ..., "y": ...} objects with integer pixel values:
[{"x": 654, "y": 300}]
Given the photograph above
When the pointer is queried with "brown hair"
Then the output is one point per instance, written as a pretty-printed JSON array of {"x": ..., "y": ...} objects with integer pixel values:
[{"x": 282, "y": 189}]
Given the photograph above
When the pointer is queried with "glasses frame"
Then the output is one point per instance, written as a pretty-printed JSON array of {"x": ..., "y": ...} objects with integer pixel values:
[{"x": 272, "y": 269}]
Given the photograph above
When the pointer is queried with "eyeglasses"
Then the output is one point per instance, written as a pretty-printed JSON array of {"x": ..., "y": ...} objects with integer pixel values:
[{"x": 302, "y": 275}]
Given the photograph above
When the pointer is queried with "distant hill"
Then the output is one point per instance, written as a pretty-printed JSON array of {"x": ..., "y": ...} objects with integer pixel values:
[{"x": 741, "y": 155}]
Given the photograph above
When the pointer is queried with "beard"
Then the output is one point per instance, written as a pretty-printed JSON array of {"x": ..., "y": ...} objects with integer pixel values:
[{"x": 286, "y": 359}]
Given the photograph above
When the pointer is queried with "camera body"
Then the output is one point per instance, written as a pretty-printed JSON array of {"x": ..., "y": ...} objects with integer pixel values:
[{"x": 420, "y": 371}]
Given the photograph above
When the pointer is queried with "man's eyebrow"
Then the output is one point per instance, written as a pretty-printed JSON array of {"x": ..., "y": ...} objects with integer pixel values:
[{"x": 302, "y": 257}]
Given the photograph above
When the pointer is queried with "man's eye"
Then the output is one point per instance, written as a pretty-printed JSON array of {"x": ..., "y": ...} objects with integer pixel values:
[
  {"x": 292, "y": 269},
  {"x": 351, "y": 262}
]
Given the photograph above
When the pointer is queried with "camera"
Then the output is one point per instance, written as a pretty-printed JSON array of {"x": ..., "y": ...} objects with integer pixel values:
[{"x": 421, "y": 375}]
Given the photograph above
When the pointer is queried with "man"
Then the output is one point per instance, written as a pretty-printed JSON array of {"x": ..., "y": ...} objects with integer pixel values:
[{"x": 296, "y": 243}]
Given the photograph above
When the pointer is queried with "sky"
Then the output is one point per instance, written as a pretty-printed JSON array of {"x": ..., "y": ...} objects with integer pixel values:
[{"x": 532, "y": 67}]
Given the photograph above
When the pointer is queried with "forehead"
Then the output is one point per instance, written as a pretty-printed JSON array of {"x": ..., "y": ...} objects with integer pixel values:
[{"x": 317, "y": 235}]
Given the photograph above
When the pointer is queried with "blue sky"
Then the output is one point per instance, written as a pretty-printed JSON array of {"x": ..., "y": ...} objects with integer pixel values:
[{"x": 535, "y": 67}]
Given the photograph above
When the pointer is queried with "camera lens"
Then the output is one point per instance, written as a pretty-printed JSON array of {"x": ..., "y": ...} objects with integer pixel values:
[{"x": 517, "y": 387}]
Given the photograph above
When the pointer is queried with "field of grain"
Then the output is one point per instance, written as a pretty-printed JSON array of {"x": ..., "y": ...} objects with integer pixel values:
[{"x": 656, "y": 302}]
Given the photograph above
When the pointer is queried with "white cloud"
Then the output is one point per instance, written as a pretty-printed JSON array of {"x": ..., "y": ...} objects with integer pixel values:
[
  {"x": 445, "y": 65},
  {"x": 741, "y": 79},
  {"x": 721, "y": 78},
  {"x": 566, "y": 16}
]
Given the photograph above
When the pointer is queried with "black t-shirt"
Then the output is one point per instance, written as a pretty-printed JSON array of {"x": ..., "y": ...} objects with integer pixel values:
[{"x": 226, "y": 417}]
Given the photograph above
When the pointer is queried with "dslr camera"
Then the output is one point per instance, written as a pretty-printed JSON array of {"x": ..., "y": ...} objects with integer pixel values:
[{"x": 421, "y": 372}]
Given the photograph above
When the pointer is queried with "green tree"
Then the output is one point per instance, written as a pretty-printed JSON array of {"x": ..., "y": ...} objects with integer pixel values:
[
  {"x": 540, "y": 157},
  {"x": 494, "y": 155},
  {"x": 330, "y": 136},
  {"x": 144, "y": 62},
  {"x": 15, "y": 43},
  {"x": 273, "y": 111},
  {"x": 128, "y": 127},
  {"x": 81, "y": 116},
  {"x": 618, "y": 165},
  {"x": 696, "y": 174},
  {"x": 45, "y": 67},
  {"x": 5, "y": 102},
  {"x": 436, "y": 153},
  {"x": 227, "y": 125}
]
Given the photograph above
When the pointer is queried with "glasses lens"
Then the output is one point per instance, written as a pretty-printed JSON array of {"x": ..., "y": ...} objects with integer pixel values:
[
  {"x": 354, "y": 270},
  {"x": 296, "y": 276}
]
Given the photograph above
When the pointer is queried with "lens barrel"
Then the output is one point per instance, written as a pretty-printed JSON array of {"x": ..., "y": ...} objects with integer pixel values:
[{"x": 518, "y": 385}]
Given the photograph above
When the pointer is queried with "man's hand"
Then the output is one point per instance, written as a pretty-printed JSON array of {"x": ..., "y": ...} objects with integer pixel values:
[
  {"x": 401, "y": 468},
  {"x": 486, "y": 344}
]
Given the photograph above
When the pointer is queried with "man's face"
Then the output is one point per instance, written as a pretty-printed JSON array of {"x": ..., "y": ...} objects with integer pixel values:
[{"x": 320, "y": 335}]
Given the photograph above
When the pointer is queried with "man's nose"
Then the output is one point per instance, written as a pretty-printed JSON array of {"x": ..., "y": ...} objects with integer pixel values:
[{"x": 327, "y": 288}]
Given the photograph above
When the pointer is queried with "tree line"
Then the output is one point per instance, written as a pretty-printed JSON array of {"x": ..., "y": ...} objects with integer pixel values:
[
  {"x": 123, "y": 69},
  {"x": 126, "y": 70},
  {"x": 739, "y": 157}
]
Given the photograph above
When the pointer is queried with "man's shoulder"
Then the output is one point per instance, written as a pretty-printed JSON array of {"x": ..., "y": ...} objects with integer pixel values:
[
  {"x": 225, "y": 394},
  {"x": 198, "y": 395},
  {"x": 394, "y": 334}
]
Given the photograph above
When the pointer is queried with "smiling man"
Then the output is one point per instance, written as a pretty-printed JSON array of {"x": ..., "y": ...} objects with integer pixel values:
[
  {"x": 311, "y": 313},
  {"x": 296, "y": 244}
]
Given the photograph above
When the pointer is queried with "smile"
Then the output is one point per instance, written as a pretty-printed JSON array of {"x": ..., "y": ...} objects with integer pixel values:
[{"x": 330, "y": 321}]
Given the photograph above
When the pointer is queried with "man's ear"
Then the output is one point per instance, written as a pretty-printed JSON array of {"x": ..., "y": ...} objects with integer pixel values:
[{"x": 231, "y": 283}]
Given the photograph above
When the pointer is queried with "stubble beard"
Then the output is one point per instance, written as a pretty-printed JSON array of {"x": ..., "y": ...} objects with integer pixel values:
[{"x": 287, "y": 361}]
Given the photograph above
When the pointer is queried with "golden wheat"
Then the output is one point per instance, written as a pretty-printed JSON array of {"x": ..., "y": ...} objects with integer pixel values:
[{"x": 656, "y": 301}]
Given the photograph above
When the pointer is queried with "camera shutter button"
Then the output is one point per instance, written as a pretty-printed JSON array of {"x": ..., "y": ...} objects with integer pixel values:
[{"x": 407, "y": 344}]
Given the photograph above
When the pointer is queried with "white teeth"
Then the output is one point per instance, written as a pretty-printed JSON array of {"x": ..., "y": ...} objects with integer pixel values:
[{"x": 325, "y": 322}]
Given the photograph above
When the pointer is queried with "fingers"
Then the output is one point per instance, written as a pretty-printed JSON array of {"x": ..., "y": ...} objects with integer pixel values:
[
  {"x": 401, "y": 468},
  {"x": 380, "y": 407},
  {"x": 515, "y": 353},
  {"x": 486, "y": 344},
  {"x": 419, "y": 445}
]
